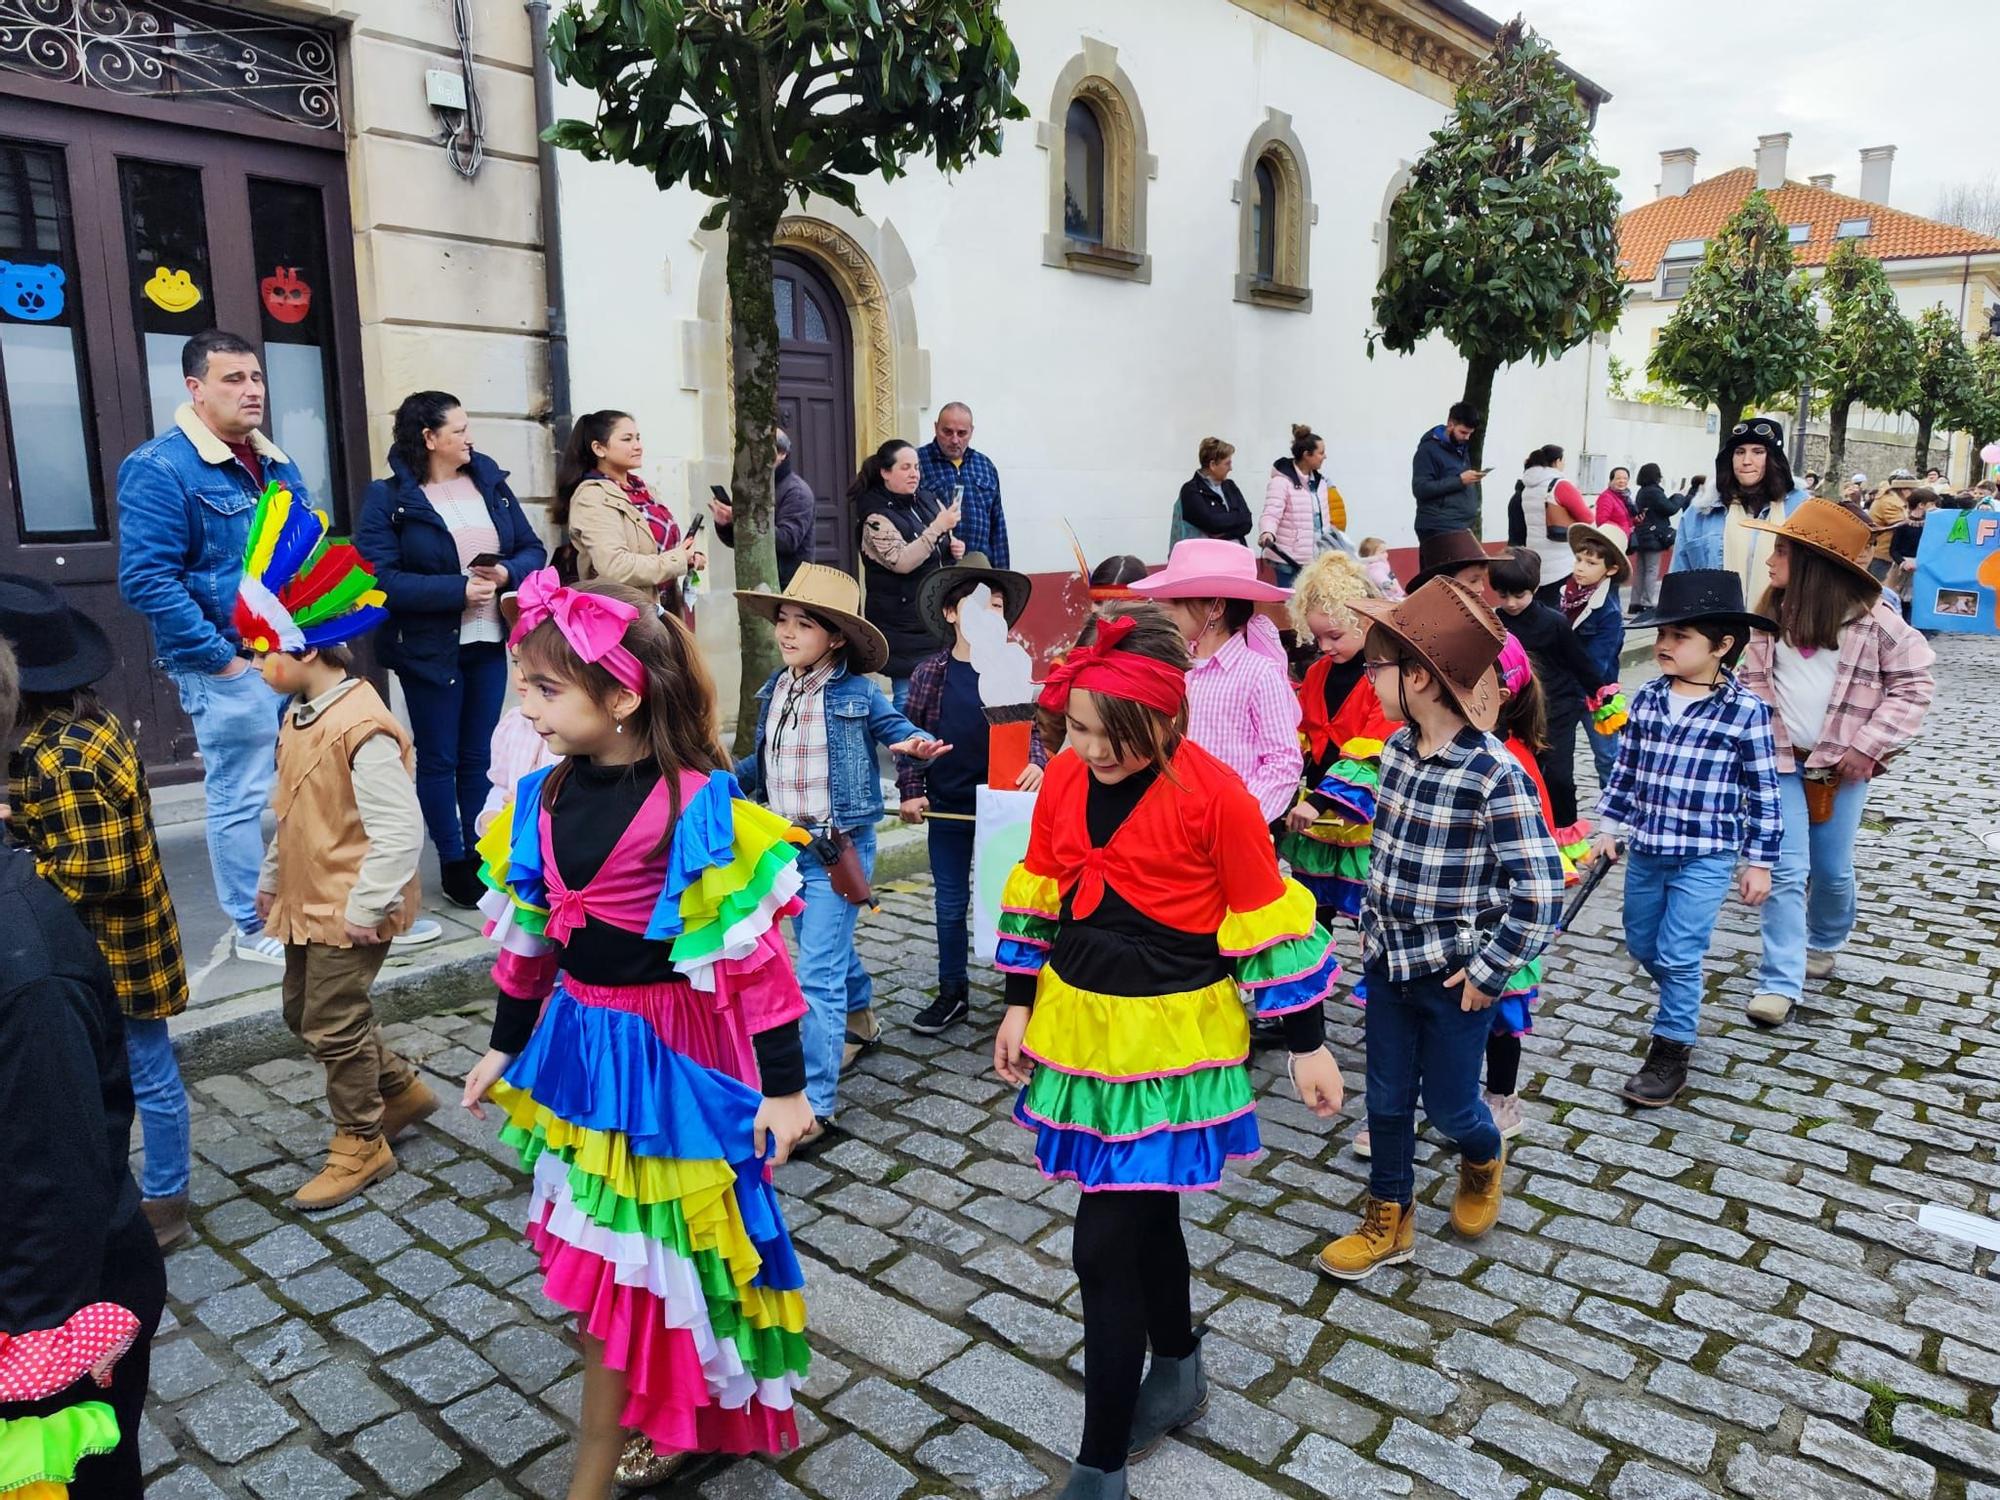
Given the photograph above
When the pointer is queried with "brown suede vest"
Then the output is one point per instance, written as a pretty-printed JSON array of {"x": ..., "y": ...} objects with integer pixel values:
[{"x": 321, "y": 842}]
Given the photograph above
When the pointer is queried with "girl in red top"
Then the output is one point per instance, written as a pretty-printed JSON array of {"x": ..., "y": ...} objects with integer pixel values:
[{"x": 1149, "y": 897}]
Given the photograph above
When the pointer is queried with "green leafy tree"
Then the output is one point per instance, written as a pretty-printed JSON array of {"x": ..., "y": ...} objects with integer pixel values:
[
  {"x": 1506, "y": 239},
  {"x": 1946, "y": 380},
  {"x": 1743, "y": 334},
  {"x": 1982, "y": 411},
  {"x": 757, "y": 103},
  {"x": 1868, "y": 350}
]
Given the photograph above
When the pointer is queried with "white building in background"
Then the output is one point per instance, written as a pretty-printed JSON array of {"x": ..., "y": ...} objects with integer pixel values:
[{"x": 1096, "y": 349}]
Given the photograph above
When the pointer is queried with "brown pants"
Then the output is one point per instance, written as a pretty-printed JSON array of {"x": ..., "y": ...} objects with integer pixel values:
[{"x": 326, "y": 1007}]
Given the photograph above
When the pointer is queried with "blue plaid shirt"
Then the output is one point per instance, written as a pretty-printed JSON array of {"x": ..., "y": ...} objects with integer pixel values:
[
  {"x": 983, "y": 527},
  {"x": 1464, "y": 872},
  {"x": 1705, "y": 785}
]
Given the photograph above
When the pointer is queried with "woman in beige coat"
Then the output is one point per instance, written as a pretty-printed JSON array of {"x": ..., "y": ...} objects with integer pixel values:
[{"x": 617, "y": 529}]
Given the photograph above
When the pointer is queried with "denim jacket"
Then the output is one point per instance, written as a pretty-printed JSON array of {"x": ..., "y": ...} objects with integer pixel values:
[
  {"x": 1699, "y": 543},
  {"x": 858, "y": 718},
  {"x": 184, "y": 506}
]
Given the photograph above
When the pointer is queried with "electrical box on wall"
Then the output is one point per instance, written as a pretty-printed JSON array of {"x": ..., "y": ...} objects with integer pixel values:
[{"x": 445, "y": 89}]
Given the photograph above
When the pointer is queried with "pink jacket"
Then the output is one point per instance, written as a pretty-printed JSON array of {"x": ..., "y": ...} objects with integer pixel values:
[
  {"x": 1614, "y": 510},
  {"x": 1881, "y": 690},
  {"x": 1291, "y": 514}
]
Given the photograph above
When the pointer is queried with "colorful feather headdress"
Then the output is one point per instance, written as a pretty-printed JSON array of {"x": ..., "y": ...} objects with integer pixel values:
[{"x": 301, "y": 588}]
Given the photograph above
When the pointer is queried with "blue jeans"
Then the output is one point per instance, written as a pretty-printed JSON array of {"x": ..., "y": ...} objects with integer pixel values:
[
  {"x": 1419, "y": 1038},
  {"x": 1284, "y": 574},
  {"x": 951, "y": 877},
  {"x": 236, "y": 730},
  {"x": 899, "y": 692},
  {"x": 453, "y": 729},
  {"x": 1670, "y": 910},
  {"x": 831, "y": 973},
  {"x": 1812, "y": 890},
  {"x": 162, "y": 1105},
  {"x": 1603, "y": 750}
]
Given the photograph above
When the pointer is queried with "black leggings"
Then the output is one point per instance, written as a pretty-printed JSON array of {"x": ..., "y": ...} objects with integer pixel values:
[
  {"x": 1132, "y": 1263},
  {"x": 1558, "y": 764},
  {"x": 1503, "y": 1064}
]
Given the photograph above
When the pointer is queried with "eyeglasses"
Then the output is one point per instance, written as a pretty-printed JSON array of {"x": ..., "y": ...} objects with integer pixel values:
[
  {"x": 1371, "y": 669},
  {"x": 1760, "y": 429}
]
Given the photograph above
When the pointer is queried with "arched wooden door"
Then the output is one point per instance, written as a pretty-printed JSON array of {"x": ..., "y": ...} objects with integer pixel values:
[{"x": 816, "y": 397}]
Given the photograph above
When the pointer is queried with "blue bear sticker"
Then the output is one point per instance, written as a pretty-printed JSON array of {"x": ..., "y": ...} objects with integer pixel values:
[{"x": 31, "y": 293}]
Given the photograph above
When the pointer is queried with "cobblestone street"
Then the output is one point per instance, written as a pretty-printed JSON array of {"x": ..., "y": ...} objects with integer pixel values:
[{"x": 1716, "y": 1298}]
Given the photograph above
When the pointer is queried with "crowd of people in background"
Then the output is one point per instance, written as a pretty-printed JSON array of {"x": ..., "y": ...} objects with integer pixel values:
[{"x": 1270, "y": 748}]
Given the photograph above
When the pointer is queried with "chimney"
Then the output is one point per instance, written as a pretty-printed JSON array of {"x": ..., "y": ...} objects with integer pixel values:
[
  {"x": 1676, "y": 171},
  {"x": 1875, "y": 164},
  {"x": 1771, "y": 151},
  {"x": 1823, "y": 180}
]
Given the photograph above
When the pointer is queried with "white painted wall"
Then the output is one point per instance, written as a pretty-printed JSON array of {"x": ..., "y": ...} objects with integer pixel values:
[{"x": 1092, "y": 393}]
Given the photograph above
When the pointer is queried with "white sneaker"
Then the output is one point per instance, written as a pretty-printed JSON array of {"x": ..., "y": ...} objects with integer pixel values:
[
  {"x": 1363, "y": 1147},
  {"x": 260, "y": 948},
  {"x": 422, "y": 931},
  {"x": 1821, "y": 965},
  {"x": 1506, "y": 1110}
]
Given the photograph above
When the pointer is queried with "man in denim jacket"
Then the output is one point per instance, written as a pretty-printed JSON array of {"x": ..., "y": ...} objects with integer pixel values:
[{"x": 184, "y": 506}]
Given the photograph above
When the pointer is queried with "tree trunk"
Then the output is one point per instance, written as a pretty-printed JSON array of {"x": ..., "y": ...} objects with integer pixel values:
[
  {"x": 1479, "y": 373},
  {"x": 1836, "y": 437},
  {"x": 1925, "y": 420},
  {"x": 755, "y": 207}
]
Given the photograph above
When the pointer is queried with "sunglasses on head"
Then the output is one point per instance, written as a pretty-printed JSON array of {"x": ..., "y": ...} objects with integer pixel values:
[{"x": 1762, "y": 430}]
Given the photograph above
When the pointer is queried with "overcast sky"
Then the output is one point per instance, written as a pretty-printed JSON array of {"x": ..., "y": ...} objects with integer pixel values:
[{"x": 1838, "y": 74}]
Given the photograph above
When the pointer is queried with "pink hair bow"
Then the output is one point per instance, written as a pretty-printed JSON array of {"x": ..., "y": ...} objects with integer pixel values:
[{"x": 593, "y": 624}]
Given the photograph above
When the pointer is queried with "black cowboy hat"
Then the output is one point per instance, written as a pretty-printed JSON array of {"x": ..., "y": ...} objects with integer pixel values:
[
  {"x": 1444, "y": 551},
  {"x": 971, "y": 569},
  {"x": 58, "y": 649},
  {"x": 1766, "y": 430},
  {"x": 1714, "y": 595}
]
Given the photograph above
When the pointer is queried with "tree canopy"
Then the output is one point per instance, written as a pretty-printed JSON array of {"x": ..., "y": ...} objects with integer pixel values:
[
  {"x": 1946, "y": 386},
  {"x": 1868, "y": 350}
]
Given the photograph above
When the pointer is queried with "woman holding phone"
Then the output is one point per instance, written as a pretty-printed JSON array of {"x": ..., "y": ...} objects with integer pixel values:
[
  {"x": 620, "y": 531},
  {"x": 446, "y": 537}
]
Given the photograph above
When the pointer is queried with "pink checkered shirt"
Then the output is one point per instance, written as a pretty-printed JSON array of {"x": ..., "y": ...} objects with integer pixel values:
[
  {"x": 1242, "y": 710},
  {"x": 1881, "y": 690}
]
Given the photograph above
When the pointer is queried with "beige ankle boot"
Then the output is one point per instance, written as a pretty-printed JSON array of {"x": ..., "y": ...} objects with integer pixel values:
[{"x": 351, "y": 1165}]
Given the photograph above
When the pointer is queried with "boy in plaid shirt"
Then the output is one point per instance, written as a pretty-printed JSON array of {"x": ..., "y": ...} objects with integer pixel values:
[
  {"x": 1695, "y": 790},
  {"x": 1464, "y": 888}
]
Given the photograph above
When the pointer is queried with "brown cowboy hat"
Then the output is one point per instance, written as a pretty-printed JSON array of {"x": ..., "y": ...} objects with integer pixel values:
[
  {"x": 1830, "y": 529},
  {"x": 973, "y": 568},
  {"x": 1451, "y": 631},
  {"x": 835, "y": 597},
  {"x": 1445, "y": 551}
]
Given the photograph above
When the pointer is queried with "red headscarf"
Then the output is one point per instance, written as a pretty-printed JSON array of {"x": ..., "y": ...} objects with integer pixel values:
[{"x": 1102, "y": 668}]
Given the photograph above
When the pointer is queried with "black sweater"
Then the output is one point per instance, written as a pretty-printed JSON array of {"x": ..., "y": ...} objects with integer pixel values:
[{"x": 1562, "y": 665}]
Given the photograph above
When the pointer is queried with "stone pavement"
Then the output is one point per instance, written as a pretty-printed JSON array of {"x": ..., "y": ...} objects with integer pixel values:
[{"x": 1712, "y": 1299}]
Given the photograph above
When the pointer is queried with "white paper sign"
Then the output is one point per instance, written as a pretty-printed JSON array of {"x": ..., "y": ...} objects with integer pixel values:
[{"x": 998, "y": 844}]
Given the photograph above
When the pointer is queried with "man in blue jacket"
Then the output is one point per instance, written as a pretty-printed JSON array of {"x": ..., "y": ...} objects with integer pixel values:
[
  {"x": 184, "y": 506},
  {"x": 1442, "y": 479}
]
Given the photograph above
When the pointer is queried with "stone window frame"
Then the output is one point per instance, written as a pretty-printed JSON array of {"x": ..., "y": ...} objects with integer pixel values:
[
  {"x": 1094, "y": 78},
  {"x": 1289, "y": 287}
]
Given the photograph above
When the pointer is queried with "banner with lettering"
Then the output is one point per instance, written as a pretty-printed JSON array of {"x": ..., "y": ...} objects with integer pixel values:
[{"x": 1957, "y": 586}]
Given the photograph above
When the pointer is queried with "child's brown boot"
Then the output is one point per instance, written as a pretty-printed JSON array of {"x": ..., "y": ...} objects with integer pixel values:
[
  {"x": 351, "y": 1165},
  {"x": 1476, "y": 1208},
  {"x": 1387, "y": 1237},
  {"x": 401, "y": 1111}
]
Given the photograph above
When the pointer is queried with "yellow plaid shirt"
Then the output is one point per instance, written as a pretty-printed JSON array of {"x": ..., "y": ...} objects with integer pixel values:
[{"x": 81, "y": 807}]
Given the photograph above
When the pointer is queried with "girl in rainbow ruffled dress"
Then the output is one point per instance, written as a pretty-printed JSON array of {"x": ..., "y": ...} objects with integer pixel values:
[
  {"x": 1150, "y": 895},
  {"x": 650, "y": 1082}
]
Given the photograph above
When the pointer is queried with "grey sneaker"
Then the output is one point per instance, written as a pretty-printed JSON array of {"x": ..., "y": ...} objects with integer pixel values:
[
  {"x": 1770, "y": 1010},
  {"x": 1821, "y": 965},
  {"x": 422, "y": 931},
  {"x": 260, "y": 948},
  {"x": 1506, "y": 1114}
]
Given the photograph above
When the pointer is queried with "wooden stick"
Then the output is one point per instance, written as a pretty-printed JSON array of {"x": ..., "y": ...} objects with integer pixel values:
[{"x": 955, "y": 817}]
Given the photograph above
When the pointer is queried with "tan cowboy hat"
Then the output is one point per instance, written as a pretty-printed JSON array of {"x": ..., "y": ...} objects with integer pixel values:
[
  {"x": 1580, "y": 531},
  {"x": 834, "y": 596},
  {"x": 1830, "y": 529},
  {"x": 1451, "y": 631}
]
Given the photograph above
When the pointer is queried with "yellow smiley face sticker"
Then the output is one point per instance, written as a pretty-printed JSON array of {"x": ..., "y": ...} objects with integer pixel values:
[{"x": 171, "y": 291}]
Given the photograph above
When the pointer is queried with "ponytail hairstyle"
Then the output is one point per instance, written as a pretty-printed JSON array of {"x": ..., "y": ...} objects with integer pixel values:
[
  {"x": 1524, "y": 716},
  {"x": 675, "y": 719},
  {"x": 874, "y": 466},
  {"x": 1304, "y": 440},
  {"x": 421, "y": 412},
  {"x": 1822, "y": 599},
  {"x": 1133, "y": 728},
  {"x": 578, "y": 458}
]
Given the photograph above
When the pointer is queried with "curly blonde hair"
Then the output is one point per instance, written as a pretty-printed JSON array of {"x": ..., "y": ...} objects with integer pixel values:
[{"x": 1330, "y": 583}]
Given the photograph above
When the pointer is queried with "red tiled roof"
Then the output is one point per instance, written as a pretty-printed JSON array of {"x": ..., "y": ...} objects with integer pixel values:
[{"x": 1698, "y": 214}]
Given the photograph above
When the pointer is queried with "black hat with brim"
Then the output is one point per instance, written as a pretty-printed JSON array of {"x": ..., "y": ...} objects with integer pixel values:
[
  {"x": 57, "y": 648},
  {"x": 1711, "y": 596}
]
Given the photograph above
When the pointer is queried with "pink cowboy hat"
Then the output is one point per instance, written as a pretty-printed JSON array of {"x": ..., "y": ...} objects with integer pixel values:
[{"x": 1205, "y": 568}]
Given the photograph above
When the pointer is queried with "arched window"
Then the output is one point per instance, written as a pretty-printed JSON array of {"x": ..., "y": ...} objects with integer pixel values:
[
  {"x": 1264, "y": 222},
  {"x": 1274, "y": 200},
  {"x": 1083, "y": 174},
  {"x": 1098, "y": 169}
]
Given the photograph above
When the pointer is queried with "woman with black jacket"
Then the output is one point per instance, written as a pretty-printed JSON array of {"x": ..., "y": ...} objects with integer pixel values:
[
  {"x": 446, "y": 537},
  {"x": 1652, "y": 538},
  {"x": 1210, "y": 504},
  {"x": 905, "y": 534}
]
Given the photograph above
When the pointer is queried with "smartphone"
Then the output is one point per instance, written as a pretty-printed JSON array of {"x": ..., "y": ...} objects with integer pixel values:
[
  {"x": 486, "y": 560},
  {"x": 721, "y": 495},
  {"x": 694, "y": 529}
]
